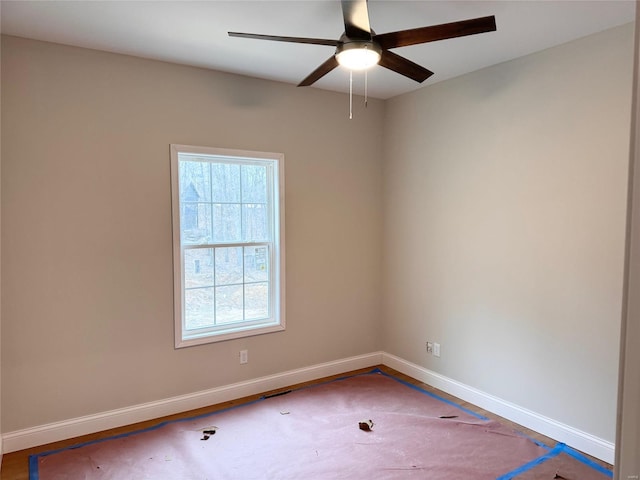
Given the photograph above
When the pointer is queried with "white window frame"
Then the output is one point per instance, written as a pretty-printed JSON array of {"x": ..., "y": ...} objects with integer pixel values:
[{"x": 276, "y": 320}]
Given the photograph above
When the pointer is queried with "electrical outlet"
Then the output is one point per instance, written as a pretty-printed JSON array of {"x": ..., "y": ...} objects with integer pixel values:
[
  {"x": 244, "y": 356},
  {"x": 436, "y": 349},
  {"x": 429, "y": 347}
]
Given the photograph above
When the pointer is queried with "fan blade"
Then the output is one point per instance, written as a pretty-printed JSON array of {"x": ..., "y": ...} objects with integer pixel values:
[
  {"x": 356, "y": 19},
  {"x": 436, "y": 32},
  {"x": 404, "y": 67},
  {"x": 320, "y": 72},
  {"x": 276, "y": 38}
]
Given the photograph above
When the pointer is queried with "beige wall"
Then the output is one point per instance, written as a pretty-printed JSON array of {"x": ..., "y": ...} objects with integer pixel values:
[
  {"x": 86, "y": 236},
  {"x": 504, "y": 223}
]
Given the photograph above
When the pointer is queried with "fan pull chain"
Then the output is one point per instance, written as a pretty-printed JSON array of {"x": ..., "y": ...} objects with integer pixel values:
[
  {"x": 365, "y": 89},
  {"x": 350, "y": 94}
]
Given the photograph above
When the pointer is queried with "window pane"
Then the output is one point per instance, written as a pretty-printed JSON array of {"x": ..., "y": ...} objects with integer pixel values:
[
  {"x": 256, "y": 264},
  {"x": 226, "y": 223},
  {"x": 254, "y": 222},
  {"x": 229, "y": 304},
  {"x": 254, "y": 184},
  {"x": 225, "y": 183},
  {"x": 256, "y": 298},
  {"x": 195, "y": 182},
  {"x": 198, "y": 308},
  {"x": 198, "y": 267},
  {"x": 228, "y": 265},
  {"x": 195, "y": 223},
  {"x": 189, "y": 216}
]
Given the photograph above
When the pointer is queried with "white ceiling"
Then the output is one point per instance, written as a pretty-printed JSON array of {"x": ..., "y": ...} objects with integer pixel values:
[{"x": 195, "y": 33}]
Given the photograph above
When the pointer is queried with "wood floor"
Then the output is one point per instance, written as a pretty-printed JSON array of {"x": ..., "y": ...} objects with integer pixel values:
[{"x": 15, "y": 466}]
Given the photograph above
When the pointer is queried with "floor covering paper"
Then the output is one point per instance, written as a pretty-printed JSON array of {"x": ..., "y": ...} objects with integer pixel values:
[{"x": 315, "y": 433}]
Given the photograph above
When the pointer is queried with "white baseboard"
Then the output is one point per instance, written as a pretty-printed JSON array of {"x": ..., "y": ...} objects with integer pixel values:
[
  {"x": 53, "y": 432},
  {"x": 583, "y": 441}
]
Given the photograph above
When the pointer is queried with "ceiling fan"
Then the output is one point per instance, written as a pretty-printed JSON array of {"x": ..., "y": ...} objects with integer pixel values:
[{"x": 360, "y": 47}]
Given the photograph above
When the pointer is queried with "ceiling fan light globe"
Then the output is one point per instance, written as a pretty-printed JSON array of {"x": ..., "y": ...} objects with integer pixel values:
[{"x": 358, "y": 56}]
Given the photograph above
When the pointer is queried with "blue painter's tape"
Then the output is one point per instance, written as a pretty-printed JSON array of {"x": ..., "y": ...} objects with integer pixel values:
[
  {"x": 33, "y": 467},
  {"x": 557, "y": 450},
  {"x": 433, "y": 395},
  {"x": 533, "y": 463},
  {"x": 587, "y": 461},
  {"x": 449, "y": 402}
]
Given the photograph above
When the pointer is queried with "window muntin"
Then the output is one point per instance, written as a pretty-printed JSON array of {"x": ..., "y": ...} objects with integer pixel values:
[{"x": 228, "y": 248}]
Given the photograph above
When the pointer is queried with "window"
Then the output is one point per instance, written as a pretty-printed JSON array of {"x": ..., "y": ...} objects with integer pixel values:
[{"x": 228, "y": 243}]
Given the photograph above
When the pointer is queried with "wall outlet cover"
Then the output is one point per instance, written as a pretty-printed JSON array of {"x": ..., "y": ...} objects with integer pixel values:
[{"x": 244, "y": 356}]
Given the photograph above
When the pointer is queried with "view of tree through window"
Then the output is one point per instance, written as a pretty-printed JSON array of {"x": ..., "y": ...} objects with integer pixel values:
[{"x": 228, "y": 237}]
